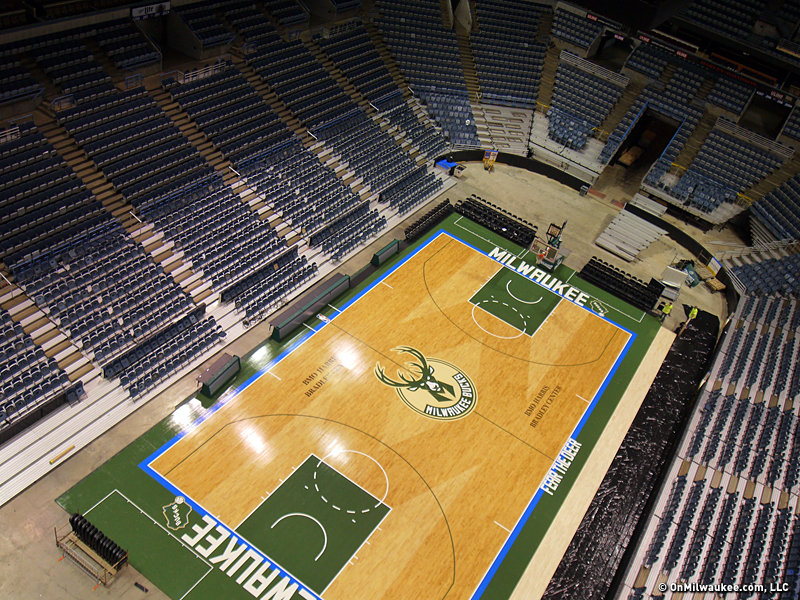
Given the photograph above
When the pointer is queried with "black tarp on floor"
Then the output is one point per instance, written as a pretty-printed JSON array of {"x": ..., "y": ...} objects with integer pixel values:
[{"x": 596, "y": 558}]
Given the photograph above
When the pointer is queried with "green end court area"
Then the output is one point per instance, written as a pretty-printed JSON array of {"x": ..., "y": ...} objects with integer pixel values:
[
  {"x": 189, "y": 554},
  {"x": 318, "y": 503}
]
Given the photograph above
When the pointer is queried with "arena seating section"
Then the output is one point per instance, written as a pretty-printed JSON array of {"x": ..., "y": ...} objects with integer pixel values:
[
  {"x": 122, "y": 41},
  {"x": 428, "y": 55},
  {"x": 575, "y": 29},
  {"x": 734, "y": 18},
  {"x": 649, "y": 59},
  {"x": 792, "y": 127},
  {"x": 508, "y": 61},
  {"x": 16, "y": 83},
  {"x": 127, "y": 315},
  {"x": 28, "y": 378},
  {"x": 779, "y": 210},
  {"x": 230, "y": 111},
  {"x": 651, "y": 98},
  {"x": 204, "y": 24},
  {"x": 713, "y": 532},
  {"x": 731, "y": 94},
  {"x": 724, "y": 166},
  {"x": 288, "y": 12},
  {"x": 581, "y": 101},
  {"x": 354, "y": 53}
]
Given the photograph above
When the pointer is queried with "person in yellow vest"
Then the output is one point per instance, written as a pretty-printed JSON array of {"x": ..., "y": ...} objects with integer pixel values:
[
  {"x": 692, "y": 314},
  {"x": 665, "y": 310}
]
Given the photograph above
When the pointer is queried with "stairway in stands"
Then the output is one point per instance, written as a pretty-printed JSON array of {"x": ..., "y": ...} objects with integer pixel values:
[
  {"x": 548, "y": 78},
  {"x": 322, "y": 152},
  {"x": 386, "y": 55},
  {"x": 632, "y": 91},
  {"x": 46, "y": 334},
  {"x": 695, "y": 141},
  {"x": 667, "y": 73},
  {"x": 468, "y": 65},
  {"x": 388, "y": 60},
  {"x": 192, "y": 132},
  {"x": 545, "y": 26},
  {"x": 337, "y": 74},
  {"x": 473, "y": 85},
  {"x": 273, "y": 100}
]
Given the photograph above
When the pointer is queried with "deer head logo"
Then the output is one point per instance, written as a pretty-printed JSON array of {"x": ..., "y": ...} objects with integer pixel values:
[
  {"x": 423, "y": 377},
  {"x": 445, "y": 395}
]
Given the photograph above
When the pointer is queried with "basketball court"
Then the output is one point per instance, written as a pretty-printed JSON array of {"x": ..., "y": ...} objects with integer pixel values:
[{"x": 414, "y": 442}]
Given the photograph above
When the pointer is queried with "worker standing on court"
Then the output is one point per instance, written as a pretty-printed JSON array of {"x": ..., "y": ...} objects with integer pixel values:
[
  {"x": 667, "y": 308},
  {"x": 692, "y": 313}
]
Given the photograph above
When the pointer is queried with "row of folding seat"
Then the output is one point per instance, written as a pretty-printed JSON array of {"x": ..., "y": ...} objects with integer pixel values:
[
  {"x": 498, "y": 220},
  {"x": 429, "y": 220},
  {"x": 621, "y": 284}
]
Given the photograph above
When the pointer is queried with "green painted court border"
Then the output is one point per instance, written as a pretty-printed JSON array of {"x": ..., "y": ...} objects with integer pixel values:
[{"x": 121, "y": 471}]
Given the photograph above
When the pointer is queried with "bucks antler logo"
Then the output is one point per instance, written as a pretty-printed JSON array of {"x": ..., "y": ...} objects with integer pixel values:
[{"x": 431, "y": 386}]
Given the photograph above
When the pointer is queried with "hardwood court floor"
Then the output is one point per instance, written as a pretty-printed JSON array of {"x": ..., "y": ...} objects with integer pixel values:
[{"x": 456, "y": 487}]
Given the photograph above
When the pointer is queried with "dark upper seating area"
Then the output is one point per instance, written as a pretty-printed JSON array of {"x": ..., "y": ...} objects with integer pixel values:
[
  {"x": 74, "y": 69},
  {"x": 792, "y": 126},
  {"x": 288, "y": 12},
  {"x": 733, "y": 18},
  {"x": 141, "y": 152},
  {"x": 575, "y": 29},
  {"x": 649, "y": 59},
  {"x": 508, "y": 61},
  {"x": 429, "y": 57},
  {"x": 202, "y": 20},
  {"x": 126, "y": 45},
  {"x": 16, "y": 83},
  {"x": 354, "y": 53},
  {"x": 300, "y": 80},
  {"x": 731, "y": 94},
  {"x": 230, "y": 111}
]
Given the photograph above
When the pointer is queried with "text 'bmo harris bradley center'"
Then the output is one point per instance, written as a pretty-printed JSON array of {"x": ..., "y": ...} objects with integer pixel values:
[{"x": 532, "y": 272}]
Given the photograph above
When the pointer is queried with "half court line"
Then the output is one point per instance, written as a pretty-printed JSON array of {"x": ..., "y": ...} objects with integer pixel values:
[{"x": 550, "y": 458}]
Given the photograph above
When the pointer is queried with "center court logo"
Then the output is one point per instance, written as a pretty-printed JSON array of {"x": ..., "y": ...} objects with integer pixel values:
[{"x": 447, "y": 395}]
